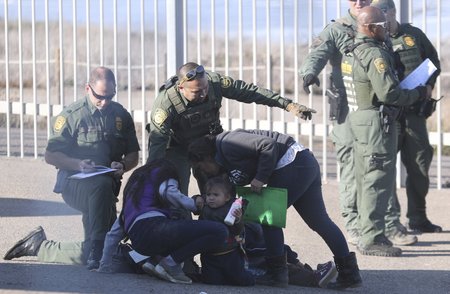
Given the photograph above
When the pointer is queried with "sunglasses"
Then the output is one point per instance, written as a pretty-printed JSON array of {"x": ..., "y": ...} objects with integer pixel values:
[
  {"x": 100, "y": 97},
  {"x": 382, "y": 24},
  {"x": 192, "y": 74},
  {"x": 362, "y": 1}
]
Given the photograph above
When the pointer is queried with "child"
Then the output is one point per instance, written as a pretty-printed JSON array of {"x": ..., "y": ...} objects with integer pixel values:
[{"x": 226, "y": 264}]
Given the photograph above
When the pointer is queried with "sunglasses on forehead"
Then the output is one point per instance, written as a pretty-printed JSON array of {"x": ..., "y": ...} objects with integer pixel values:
[
  {"x": 382, "y": 24},
  {"x": 192, "y": 74},
  {"x": 100, "y": 97},
  {"x": 361, "y": 1}
]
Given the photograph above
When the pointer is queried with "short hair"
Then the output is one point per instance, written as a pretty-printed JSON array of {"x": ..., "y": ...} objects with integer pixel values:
[
  {"x": 222, "y": 181},
  {"x": 101, "y": 73},
  {"x": 185, "y": 68}
]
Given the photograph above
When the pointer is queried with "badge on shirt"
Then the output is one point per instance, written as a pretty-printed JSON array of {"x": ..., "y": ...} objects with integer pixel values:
[
  {"x": 59, "y": 123},
  {"x": 225, "y": 82},
  {"x": 118, "y": 123},
  {"x": 380, "y": 64},
  {"x": 409, "y": 41},
  {"x": 160, "y": 116}
]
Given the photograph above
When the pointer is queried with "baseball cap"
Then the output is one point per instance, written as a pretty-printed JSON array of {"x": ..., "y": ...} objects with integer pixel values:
[{"x": 383, "y": 4}]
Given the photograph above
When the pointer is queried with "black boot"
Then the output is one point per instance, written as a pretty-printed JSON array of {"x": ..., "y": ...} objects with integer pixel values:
[
  {"x": 276, "y": 274},
  {"x": 348, "y": 273},
  {"x": 93, "y": 261},
  {"x": 28, "y": 246}
]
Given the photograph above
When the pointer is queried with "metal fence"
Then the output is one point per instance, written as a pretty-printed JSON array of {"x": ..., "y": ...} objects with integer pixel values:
[{"x": 49, "y": 47}]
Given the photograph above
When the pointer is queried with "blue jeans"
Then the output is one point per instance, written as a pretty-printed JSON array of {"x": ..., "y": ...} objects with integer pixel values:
[
  {"x": 182, "y": 239},
  {"x": 302, "y": 180}
]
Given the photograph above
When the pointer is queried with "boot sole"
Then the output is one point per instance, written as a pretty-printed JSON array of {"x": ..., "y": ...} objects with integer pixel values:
[
  {"x": 379, "y": 253},
  {"x": 12, "y": 252},
  {"x": 332, "y": 274}
]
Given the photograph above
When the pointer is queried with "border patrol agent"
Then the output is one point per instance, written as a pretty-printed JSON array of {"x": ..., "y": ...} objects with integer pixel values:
[
  {"x": 375, "y": 97},
  {"x": 412, "y": 47},
  {"x": 188, "y": 107},
  {"x": 330, "y": 46},
  {"x": 91, "y": 131}
]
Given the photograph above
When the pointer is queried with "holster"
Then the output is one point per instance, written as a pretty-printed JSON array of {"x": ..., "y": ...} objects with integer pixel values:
[
  {"x": 388, "y": 115},
  {"x": 337, "y": 104},
  {"x": 427, "y": 107}
]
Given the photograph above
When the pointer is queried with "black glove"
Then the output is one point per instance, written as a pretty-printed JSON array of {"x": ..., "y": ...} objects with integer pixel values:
[
  {"x": 308, "y": 80},
  {"x": 299, "y": 110}
]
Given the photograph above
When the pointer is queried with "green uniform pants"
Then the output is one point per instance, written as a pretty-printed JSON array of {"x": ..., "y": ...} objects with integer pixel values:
[
  {"x": 416, "y": 155},
  {"x": 343, "y": 142},
  {"x": 95, "y": 198},
  {"x": 179, "y": 157},
  {"x": 375, "y": 157}
]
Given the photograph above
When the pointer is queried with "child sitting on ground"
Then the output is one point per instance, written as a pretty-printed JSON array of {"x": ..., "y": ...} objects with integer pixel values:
[{"x": 225, "y": 265}]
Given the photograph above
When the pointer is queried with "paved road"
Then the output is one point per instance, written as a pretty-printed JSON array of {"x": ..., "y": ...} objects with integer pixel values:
[{"x": 27, "y": 200}]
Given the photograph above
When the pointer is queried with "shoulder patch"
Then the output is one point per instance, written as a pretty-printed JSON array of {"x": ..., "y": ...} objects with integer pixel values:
[
  {"x": 380, "y": 64},
  {"x": 59, "y": 123},
  {"x": 225, "y": 82},
  {"x": 409, "y": 41},
  {"x": 119, "y": 123},
  {"x": 160, "y": 116}
]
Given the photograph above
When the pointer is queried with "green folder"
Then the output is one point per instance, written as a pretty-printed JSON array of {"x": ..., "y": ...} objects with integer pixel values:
[{"x": 268, "y": 208}]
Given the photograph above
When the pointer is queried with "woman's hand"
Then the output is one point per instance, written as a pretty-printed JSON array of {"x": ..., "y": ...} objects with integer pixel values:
[{"x": 256, "y": 186}]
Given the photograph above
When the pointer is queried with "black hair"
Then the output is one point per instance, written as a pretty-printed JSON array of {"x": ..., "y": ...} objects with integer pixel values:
[
  {"x": 156, "y": 171},
  {"x": 202, "y": 148}
]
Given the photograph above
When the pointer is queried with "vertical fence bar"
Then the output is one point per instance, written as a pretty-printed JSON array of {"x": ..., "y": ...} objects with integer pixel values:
[
  {"x": 213, "y": 35},
  {"x": 296, "y": 60},
  {"x": 33, "y": 49},
  {"x": 185, "y": 32},
  {"x": 143, "y": 100},
  {"x": 116, "y": 69},
  {"x": 8, "y": 104},
  {"x": 310, "y": 96},
  {"x": 129, "y": 52},
  {"x": 241, "y": 61},
  {"x": 324, "y": 104},
  {"x": 254, "y": 61},
  {"x": 47, "y": 70},
  {"x": 61, "y": 53},
  {"x": 439, "y": 110},
  {"x": 155, "y": 43},
  {"x": 227, "y": 63},
  {"x": 282, "y": 68},
  {"x": 101, "y": 33},
  {"x": 199, "y": 32},
  {"x": 88, "y": 44},
  {"x": 21, "y": 118},
  {"x": 268, "y": 63},
  {"x": 74, "y": 41}
]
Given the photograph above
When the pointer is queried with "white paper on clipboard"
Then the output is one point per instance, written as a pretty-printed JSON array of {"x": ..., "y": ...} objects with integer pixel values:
[{"x": 419, "y": 76}]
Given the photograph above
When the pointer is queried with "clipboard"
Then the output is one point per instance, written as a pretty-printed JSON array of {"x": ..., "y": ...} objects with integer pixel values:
[{"x": 268, "y": 208}]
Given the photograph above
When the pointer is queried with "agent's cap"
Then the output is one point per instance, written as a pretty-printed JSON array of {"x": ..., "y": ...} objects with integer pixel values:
[{"x": 383, "y": 4}]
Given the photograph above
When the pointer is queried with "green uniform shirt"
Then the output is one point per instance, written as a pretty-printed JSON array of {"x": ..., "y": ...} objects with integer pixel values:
[
  {"x": 413, "y": 47},
  {"x": 330, "y": 45},
  {"x": 181, "y": 122},
  {"x": 82, "y": 131},
  {"x": 370, "y": 77}
]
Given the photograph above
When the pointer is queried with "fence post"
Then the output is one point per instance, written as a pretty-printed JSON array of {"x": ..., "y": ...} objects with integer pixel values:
[{"x": 174, "y": 10}]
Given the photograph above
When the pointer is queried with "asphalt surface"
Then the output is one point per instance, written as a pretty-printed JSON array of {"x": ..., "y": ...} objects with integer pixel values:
[{"x": 27, "y": 200}]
